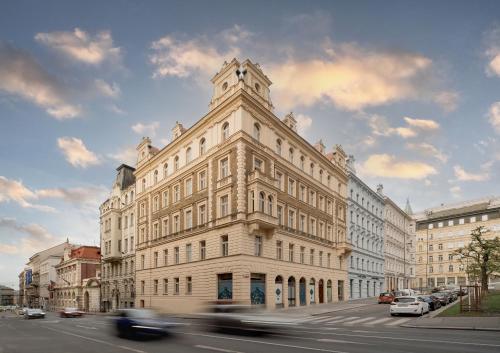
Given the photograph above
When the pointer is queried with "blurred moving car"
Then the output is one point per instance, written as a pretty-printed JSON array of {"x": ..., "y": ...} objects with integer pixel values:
[
  {"x": 21, "y": 311},
  {"x": 134, "y": 323},
  {"x": 409, "y": 305},
  {"x": 386, "y": 298},
  {"x": 234, "y": 318},
  {"x": 443, "y": 298},
  {"x": 34, "y": 314},
  {"x": 433, "y": 302},
  {"x": 71, "y": 312}
]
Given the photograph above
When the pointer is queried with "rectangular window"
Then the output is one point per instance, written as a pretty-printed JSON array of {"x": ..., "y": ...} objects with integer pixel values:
[
  {"x": 279, "y": 250},
  {"x": 258, "y": 246},
  {"x": 176, "y": 223},
  {"x": 473, "y": 219},
  {"x": 201, "y": 214},
  {"x": 165, "y": 257},
  {"x": 224, "y": 168},
  {"x": 188, "y": 253},
  {"x": 203, "y": 250},
  {"x": 189, "y": 285},
  {"x": 143, "y": 260},
  {"x": 165, "y": 227},
  {"x": 461, "y": 221},
  {"x": 165, "y": 198},
  {"x": 328, "y": 259},
  {"x": 143, "y": 285},
  {"x": 155, "y": 287},
  {"x": 189, "y": 219},
  {"x": 225, "y": 286},
  {"x": 156, "y": 204},
  {"x": 224, "y": 245},
  {"x": 484, "y": 217},
  {"x": 279, "y": 178},
  {"x": 224, "y": 206},
  {"x": 155, "y": 231},
  {"x": 280, "y": 214},
  {"x": 302, "y": 195},
  {"x": 258, "y": 164},
  {"x": 176, "y": 285},
  {"x": 302, "y": 254},
  {"x": 290, "y": 252},
  {"x": 202, "y": 178},
  {"x": 291, "y": 187},
  {"x": 176, "y": 255},
  {"x": 302, "y": 224},
  {"x": 177, "y": 194},
  {"x": 189, "y": 187},
  {"x": 165, "y": 286},
  {"x": 291, "y": 219},
  {"x": 450, "y": 223},
  {"x": 311, "y": 257},
  {"x": 440, "y": 224},
  {"x": 312, "y": 231},
  {"x": 155, "y": 259}
]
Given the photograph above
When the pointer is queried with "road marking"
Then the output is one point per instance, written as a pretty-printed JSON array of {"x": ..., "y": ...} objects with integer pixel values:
[
  {"x": 216, "y": 349},
  {"x": 379, "y": 321},
  {"x": 49, "y": 321},
  {"x": 339, "y": 341},
  {"x": 336, "y": 321},
  {"x": 359, "y": 320},
  {"x": 264, "y": 342},
  {"x": 95, "y": 340},
  {"x": 87, "y": 327},
  {"x": 324, "y": 319},
  {"x": 397, "y": 322}
]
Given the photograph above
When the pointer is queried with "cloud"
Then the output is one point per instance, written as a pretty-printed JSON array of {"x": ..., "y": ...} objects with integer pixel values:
[
  {"x": 428, "y": 150},
  {"x": 83, "y": 47},
  {"x": 76, "y": 153},
  {"x": 492, "y": 52},
  {"x": 462, "y": 175},
  {"x": 146, "y": 129},
  {"x": 106, "y": 89},
  {"x": 117, "y": 110},
  {"x": 456, "y": 191},
  {"x": 494, "y": 116},
  {"x": 126, "y": 155},
  {"x": 20, "y": 74},
  {"x": 15, "y": 191},
  {"x": 304, "y": 122},
  {"x": 423, "y": 124},
  {"x": 448, "y": 100},
  {"x": 384, "y": 165},
  {"x": 89, "y": 197},
  {"x": 36, "y": 237}
]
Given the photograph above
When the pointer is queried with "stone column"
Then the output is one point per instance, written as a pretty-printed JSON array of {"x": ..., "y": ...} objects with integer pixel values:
[{"x": 241, "y": 192}]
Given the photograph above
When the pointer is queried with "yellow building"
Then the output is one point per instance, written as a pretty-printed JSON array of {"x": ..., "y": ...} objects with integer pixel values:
[
  {"x": 442, "y": 230},
  {"x": 240, "y": 207}
]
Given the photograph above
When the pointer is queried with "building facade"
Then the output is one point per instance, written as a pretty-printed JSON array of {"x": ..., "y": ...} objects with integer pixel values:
[
  {"x": 78, "y": 279},
  {"x": 239, "y": 208},
  {"x": 399, "y": 234},
  {"x": 7, "y": 296},
  {"x": 118, "y": 228},
  {"x": 444, "y": 229},
  {"x": 365, "y": 221}
]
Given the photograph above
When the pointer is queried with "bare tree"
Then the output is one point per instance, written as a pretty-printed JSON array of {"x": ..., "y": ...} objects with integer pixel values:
[{"x": 481, "y": 255}]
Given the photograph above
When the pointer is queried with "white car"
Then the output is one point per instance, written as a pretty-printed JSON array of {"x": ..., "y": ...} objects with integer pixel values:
[{"x": 409, "y": 305}]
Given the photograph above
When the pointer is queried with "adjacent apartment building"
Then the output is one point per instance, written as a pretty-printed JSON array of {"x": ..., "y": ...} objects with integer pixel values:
[
  {"x": 365, "y": 222},
  {"x": 399, "y": 239},
  {"x": 239, "y": 207},
  {"x": 442, "y": 230},
  {"x": 118, "y": 228}
]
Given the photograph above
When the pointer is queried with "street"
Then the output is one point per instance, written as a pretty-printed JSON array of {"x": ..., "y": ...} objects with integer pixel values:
[{"x": 367, "y": 328}]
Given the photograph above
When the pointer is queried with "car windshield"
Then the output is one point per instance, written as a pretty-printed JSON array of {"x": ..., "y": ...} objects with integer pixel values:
[
  {"x": 34, "y": 311},
  {"x": 386, "y": 294},
  {"x": 141, "y": 314},
  {"x": 405, "y": 300}
]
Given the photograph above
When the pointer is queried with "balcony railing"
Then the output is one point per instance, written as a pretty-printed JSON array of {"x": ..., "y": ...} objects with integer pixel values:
[
  {"x": 260, "y": 221},
  {"x": 257, "y": 175}
]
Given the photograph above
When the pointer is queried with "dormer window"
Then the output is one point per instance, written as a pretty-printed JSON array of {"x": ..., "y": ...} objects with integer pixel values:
[
  {"x": 256, "y": 131},
  {"x": 224, "y": 86},
  {"x": 225, "y": 131}
]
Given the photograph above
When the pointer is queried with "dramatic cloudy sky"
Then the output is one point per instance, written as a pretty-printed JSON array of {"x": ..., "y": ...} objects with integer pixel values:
[{"x": 412, "y": 91}]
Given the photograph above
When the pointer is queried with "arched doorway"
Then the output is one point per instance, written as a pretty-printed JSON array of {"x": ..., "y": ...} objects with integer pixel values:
[
  {"x": 86, "y": 301},
  {"x": 302, "y": 289},
  {"x": 329, "y": 297},
  {"x": 321, "y": 289},
  {"x": 312, "y": 291},
  {"x": 291, "y": 291},
  {"x": 278, "y": 291}
]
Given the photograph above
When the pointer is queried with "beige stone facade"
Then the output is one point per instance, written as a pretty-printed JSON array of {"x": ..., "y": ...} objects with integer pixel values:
[
  {"x": 442, "y": 230},
  {"x": 240, "y": 207}
]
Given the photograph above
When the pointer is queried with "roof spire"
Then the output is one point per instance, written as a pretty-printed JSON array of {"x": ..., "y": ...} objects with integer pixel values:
[{"x": 408, "y": 209}]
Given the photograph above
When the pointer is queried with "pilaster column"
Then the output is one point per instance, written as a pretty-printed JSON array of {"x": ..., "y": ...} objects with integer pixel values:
[{"x": 241, "y": 192}]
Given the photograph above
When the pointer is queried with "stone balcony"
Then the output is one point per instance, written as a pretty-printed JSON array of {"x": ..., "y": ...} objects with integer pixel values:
[
  {"x": 344, "y": 248},
  {"x": 260, "y": 222},
  {"x": 257, "y": 176}
]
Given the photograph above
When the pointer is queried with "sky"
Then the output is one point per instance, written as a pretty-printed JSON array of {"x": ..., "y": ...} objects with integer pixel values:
[{"x": 410, "y": 89}]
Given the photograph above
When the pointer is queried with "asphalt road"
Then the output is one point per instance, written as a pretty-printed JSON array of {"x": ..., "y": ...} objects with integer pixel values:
[{"x": 368, "y": 329}]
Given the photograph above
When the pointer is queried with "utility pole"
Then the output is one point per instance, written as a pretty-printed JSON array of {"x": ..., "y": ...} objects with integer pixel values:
[{"x": 427, "y": 259}]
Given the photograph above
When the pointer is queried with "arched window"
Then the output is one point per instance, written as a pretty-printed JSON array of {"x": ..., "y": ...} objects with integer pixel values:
[
  {"x": 270, "y": 205},
  {"x": 225, "y": 131},
  {"x": 262, "y": 198},
  {"x": 302, "y": 162},
  {"x": 256, "y": 131},
  {"x": 224, "y": 86},
  {"x": 311, "y": 170},
  {"x": 176, "y": 163},
  {"x": 132, "y": 196},
  {"x": 278, "y": 146},
  {"x": 143, "y": 184},
  {"x": 165, "y": 170},
  {"x": 321, "y": 175},
  {"x": 329, "y": 179},
  {"x": 202, "y": 146},
  {"x": 290, "y": 155},
  {"x": 155, "y": 177},
  {"x": 188, "y": 155},
  {"x": 257, "y": 87}
]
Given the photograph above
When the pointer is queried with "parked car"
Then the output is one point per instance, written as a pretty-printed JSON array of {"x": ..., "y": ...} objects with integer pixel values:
[
  {"x": 385, "y": 298},
  {"x": 34, "y": 314},
  {"x": 71, "y": 312},
  {"x": 443, "y": 298},
  {"x": 409, "y": 305},
  {"x": 134, "y": 323},
  {"x": 433, "y": 302}
]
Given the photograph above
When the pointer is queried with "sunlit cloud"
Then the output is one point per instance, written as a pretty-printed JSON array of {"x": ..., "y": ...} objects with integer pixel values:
[
  {"x": 34, "y": 237},
  {"x": 428, "y": 150},
  {"x": 494, "y": 116},
  {"x": 304, "y": 122},
  {"x": 76, "y": 152},
  {"x": 146, "y": 129},
  {"x": 462, "y": 175},
  {"x": 447, "y": 100},
  {"x": 424, "y": 124},
  {"x": 126, "y": 155},
  {"x": 388, "y": 166},
  {"x": 106, "y": 89},
  {"x": 15, "y": 191},
  {"x": 492, "y": 52}
]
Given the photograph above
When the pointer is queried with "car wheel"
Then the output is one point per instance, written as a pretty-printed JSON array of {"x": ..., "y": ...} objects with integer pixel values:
[{"x": 393, "y": 314}]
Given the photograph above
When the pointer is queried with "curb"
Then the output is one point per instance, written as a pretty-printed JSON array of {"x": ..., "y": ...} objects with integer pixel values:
[{"x": 453, "y": 328}]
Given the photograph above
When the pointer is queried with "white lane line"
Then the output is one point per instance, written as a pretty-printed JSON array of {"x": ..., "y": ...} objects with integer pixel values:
[
  {"x": 324, "y": 319},
  {"x": 96, "y": 340},
  {"x": 309, "y": 319},
  {"x": 397, "y": 322},
  {"x": 216, "y": 349},
  {"x": 339, "y": 341},
  {"x": 87, "y": 327},
  {"x": 264, "y": 342},
  {"x": 336, "y": 321},
  {"x": 359, "y": 320},
  {"x": 379, "y": 321}
]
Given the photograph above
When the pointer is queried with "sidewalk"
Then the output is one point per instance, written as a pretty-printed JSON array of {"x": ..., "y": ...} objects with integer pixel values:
[
  {"x": 457, "y": 323},
  {"x": 320, "y": 309}
]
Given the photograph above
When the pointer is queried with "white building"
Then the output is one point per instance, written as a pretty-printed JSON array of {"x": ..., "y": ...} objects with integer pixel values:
[{"x": 365, "y": 222}]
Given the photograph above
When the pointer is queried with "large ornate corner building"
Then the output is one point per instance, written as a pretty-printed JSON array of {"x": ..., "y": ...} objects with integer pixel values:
[
  {"x": 399, "y": 234},
  {"x": 238, "y": 207},
  {"x": 118, "y": 228},
  {"x": 444, "y": 229},
  {"x": 365, "y": 221}
]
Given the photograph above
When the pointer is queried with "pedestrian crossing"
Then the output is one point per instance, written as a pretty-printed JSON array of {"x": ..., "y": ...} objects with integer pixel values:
[{"x": 330, "y": 321}]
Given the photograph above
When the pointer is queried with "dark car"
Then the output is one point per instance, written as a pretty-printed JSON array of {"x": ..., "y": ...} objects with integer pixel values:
[
  {"x": 452, "y": 295},
  {"x": 386, "y": 298},
  {"x": 71, "y": 312},
  {"x": 443, "y": 298},
  {"x": 135, "y": 323},
  {"x": 433, "y": 302}
]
